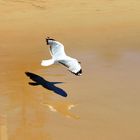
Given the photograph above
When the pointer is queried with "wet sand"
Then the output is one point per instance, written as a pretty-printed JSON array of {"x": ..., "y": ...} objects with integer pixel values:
[{"x": 102, "y": 104}]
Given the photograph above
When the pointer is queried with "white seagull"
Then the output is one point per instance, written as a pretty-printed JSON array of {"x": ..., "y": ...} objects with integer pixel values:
[{"x": 59, "y": 56}]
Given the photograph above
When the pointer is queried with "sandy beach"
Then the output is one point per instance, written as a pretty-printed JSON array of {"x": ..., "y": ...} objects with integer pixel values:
[{"x": 103, "y": 103}]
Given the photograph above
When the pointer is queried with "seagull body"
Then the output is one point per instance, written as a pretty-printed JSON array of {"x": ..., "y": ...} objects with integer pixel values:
[{"x": 58, "y": 56}]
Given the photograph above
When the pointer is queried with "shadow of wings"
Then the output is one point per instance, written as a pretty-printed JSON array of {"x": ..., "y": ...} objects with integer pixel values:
[{"x": 38, "y": 80}]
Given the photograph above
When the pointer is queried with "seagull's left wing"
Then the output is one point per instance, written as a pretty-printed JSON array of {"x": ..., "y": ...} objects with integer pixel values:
[{"x": 56, "y": 49}]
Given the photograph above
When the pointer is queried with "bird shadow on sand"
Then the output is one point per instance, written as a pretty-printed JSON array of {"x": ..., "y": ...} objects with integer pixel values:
[{"x": 38, "y": 80}]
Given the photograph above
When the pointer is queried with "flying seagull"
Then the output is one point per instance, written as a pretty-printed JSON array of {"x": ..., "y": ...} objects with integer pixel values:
[{"x": 58, "y": 56}]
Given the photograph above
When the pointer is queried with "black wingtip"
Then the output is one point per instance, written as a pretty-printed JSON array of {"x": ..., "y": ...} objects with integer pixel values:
[
  {"x": 79, "y": 73},
  {"x": 27, "y": 73},
  {"x": 47, "y": 41}
]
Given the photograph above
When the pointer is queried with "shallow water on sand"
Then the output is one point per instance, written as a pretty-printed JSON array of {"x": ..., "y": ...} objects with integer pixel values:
[{"x": 103, "y": 103}]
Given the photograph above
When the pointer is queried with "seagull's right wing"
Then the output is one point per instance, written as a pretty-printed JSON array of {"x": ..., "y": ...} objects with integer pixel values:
[
  {"x": 56, "y": 49},
  {"x": 71, "y": 63}
]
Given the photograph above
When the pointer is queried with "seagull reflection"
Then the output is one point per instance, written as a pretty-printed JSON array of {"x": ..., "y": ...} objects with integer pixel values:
[
  {"x": 38, "y": 80},
  {"x": 62, "y": 108}
]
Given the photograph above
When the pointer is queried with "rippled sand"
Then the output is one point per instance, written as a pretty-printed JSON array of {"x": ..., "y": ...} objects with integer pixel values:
[{"x": 102, "y": 104}]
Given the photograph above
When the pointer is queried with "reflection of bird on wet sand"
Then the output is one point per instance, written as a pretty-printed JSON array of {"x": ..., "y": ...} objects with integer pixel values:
[
  {"x": 62, "y": 108},
  {"x": 38, "y": 80}
]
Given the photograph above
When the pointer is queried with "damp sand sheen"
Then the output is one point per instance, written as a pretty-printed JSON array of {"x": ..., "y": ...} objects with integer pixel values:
[
  {"x": 103, "y": 103},
  {"x": 3, "y": 128}
]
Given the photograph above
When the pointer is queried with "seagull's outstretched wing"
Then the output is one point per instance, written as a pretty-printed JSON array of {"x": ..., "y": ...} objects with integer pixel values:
[
  {"x": 72, "y": 64},
  {"x": 56, "y": 49}
]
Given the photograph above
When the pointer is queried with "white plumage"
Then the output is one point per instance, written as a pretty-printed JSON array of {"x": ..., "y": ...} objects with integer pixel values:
[{"x": 58, "y": 56}]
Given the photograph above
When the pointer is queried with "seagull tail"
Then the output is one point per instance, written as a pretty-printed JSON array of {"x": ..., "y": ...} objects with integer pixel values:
[{"x": 47, "y": 62}]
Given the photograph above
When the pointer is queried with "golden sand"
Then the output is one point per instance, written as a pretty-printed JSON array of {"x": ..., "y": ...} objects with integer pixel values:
[{"x": 102, "y": 104}]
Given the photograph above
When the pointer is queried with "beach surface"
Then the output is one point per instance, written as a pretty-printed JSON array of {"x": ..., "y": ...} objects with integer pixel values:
[{"x": 103, "y": 103}]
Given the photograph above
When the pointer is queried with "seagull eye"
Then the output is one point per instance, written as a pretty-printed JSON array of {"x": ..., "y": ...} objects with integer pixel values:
[{"x": 79, "y": 62}]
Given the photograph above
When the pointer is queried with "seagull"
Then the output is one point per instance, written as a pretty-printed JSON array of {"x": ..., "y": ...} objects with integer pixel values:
[{"x": 59, "y": 56}]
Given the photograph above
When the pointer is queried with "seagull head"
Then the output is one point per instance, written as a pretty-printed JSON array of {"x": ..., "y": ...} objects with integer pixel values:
[{"x": 79, "y": 72}]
